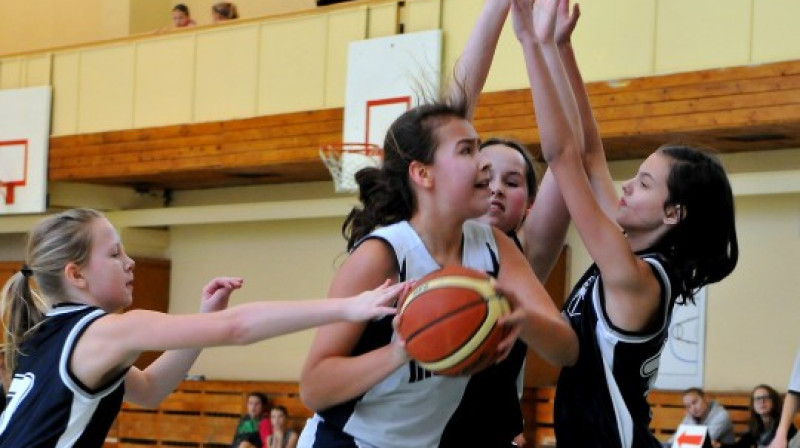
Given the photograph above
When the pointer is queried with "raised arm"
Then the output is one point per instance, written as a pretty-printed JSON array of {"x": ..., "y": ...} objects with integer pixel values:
[
  {"x": 632, "y": 291},
  {"x": 594, "y": 158},
  {"x": 472, "y": 68},
  {"x": 545, "y": 228}
]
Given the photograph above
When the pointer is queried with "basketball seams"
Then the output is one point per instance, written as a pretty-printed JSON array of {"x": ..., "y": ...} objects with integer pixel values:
[
  {"x": 478, "y": 302},
  {"x": 495, "y": 309},
  {"x": 483, "y": 287}
]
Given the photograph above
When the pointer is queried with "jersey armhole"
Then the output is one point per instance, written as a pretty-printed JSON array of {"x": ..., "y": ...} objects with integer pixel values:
[{"x": 68, "y": 376}]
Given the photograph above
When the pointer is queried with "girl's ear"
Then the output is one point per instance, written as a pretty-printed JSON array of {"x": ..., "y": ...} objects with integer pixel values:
[
  {"x": 674, "y": 214},
  {"x": 420, "y": 174},
  {"x": 74, "y": 275}
]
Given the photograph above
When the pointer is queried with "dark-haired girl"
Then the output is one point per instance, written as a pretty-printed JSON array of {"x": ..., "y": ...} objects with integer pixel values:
[
  {"x": 765, "y": 417},
  {"x": 671, "y": 233}
]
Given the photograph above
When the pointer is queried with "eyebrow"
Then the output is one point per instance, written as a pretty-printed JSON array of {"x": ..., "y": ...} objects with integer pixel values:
[{"x": 647, "y": 175}]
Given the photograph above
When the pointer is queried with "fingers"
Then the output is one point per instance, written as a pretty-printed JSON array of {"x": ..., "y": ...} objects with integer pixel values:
[{"x": 507, "y": 344}]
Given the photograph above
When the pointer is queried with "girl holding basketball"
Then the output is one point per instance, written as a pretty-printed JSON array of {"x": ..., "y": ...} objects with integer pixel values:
[
  {"x": 672, "y": 233},
  {"x": 71, "y": 349},
  {"x": 417, "y": 216}
]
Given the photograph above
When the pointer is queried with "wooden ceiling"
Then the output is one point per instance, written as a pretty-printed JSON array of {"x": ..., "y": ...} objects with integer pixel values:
[{"x": 752, "y": 108}]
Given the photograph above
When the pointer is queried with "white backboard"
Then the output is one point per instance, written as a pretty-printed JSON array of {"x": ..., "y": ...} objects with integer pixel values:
[{"x": 24, "y": 142}]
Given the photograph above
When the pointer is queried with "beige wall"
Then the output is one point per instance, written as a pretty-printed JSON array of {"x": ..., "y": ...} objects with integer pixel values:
[
  {"x": 283, "y": 259},
  {"x": 34, "y": 25}
]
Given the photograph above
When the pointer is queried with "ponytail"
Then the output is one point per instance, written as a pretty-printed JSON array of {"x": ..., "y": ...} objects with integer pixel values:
[{"x": 22, "y": 311}]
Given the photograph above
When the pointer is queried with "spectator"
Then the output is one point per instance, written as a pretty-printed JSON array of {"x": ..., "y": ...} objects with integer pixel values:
[
  {"x": 247, "y": 435},
  {"x": 765, "y": 416},
  {"x": 223, "y": 11},
  {"x": 711, "y": 414},
  {"x": 181, "y": 18},
  {"x": 281, "y": 436}
]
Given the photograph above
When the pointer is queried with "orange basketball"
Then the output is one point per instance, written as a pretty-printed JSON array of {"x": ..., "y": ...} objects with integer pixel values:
[{"x": 448, "y": 321}]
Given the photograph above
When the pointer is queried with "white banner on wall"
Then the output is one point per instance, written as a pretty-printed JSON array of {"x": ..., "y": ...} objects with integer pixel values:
[
  {"x": 24, "y": 140},
  {"x": 682, "y": 361}
]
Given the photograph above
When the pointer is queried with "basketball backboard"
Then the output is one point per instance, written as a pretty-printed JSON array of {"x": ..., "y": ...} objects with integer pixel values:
[
  {"x": 13, "y": 168},
  {"x": 24, "y": 139},
  {"x": 386, "y": 77}
]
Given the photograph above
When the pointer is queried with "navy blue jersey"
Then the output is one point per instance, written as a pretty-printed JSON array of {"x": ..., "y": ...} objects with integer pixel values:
[
  {"x": 491, "y": 401},
  {"x": 601, "y": 401},
  {"x": 48, "y": 407}
]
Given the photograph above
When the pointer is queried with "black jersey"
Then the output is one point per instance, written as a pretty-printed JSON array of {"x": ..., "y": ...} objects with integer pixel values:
[
  {"x": 48, "y": 407},
  {"x": 491, "y": 401},
  {"x": 601, "y": 401}
]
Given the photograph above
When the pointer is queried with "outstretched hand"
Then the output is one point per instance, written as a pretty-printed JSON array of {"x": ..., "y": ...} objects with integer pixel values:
[
  {"x": 522, "y": 19},
  {"x": 376, "y": 303},
  {"x": 565, "y": 22},
  {"x": 217, "y": 293},
  {"x": 536, "y": 20},
  {"x": 544, "y": 19}
]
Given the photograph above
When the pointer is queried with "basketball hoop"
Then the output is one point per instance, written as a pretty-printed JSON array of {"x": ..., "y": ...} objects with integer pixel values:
[{"x": 344, "y": 160}]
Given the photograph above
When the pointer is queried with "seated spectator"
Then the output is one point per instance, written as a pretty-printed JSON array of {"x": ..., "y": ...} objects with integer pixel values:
[
  {"x": 765, "y": 415},
  {"x": 181, "y": 17},
  {"x": 223, "y": 11},
  {"x": 790, "y": 407},
  {"x": 711, "y": 414},
  {"x": 281, "y": 437},
  {"x": 247, "y": 435}
]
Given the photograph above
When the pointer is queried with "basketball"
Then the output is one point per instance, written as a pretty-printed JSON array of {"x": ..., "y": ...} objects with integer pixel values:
[{"x": 448, "y": 321}]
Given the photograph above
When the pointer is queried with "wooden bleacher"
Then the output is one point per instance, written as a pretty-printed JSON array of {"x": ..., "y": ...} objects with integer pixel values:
[
  {"x": 204, "y": 414},
  {"x": 667, "y": 407},
  {"x": 201, "y": 414}
]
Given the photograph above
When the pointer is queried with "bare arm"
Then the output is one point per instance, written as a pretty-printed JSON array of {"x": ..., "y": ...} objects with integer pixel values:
[
  {"x": 541, "y": 324},
  {"x": 593, "y": 153},
  {"x": 632, "y": 291},
  {"x": 113, "y": 342},
  {"x": 150, "y": 387},
  {"x": 472, "y": 68},
  {"x": 331, "y": 373},
  {"x": 791, "y": 404}
]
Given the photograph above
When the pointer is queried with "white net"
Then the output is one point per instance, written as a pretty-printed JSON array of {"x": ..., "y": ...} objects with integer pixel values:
[{"x": 345, "y": 160}]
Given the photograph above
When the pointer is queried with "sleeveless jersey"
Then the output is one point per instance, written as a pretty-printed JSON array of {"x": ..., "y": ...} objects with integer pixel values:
[
  {"x": 48, "y": 407},
  {"x": 410, "y": 407},
  {"x": 601, "y": 401},
  {"x": 491, "y": 401}
]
